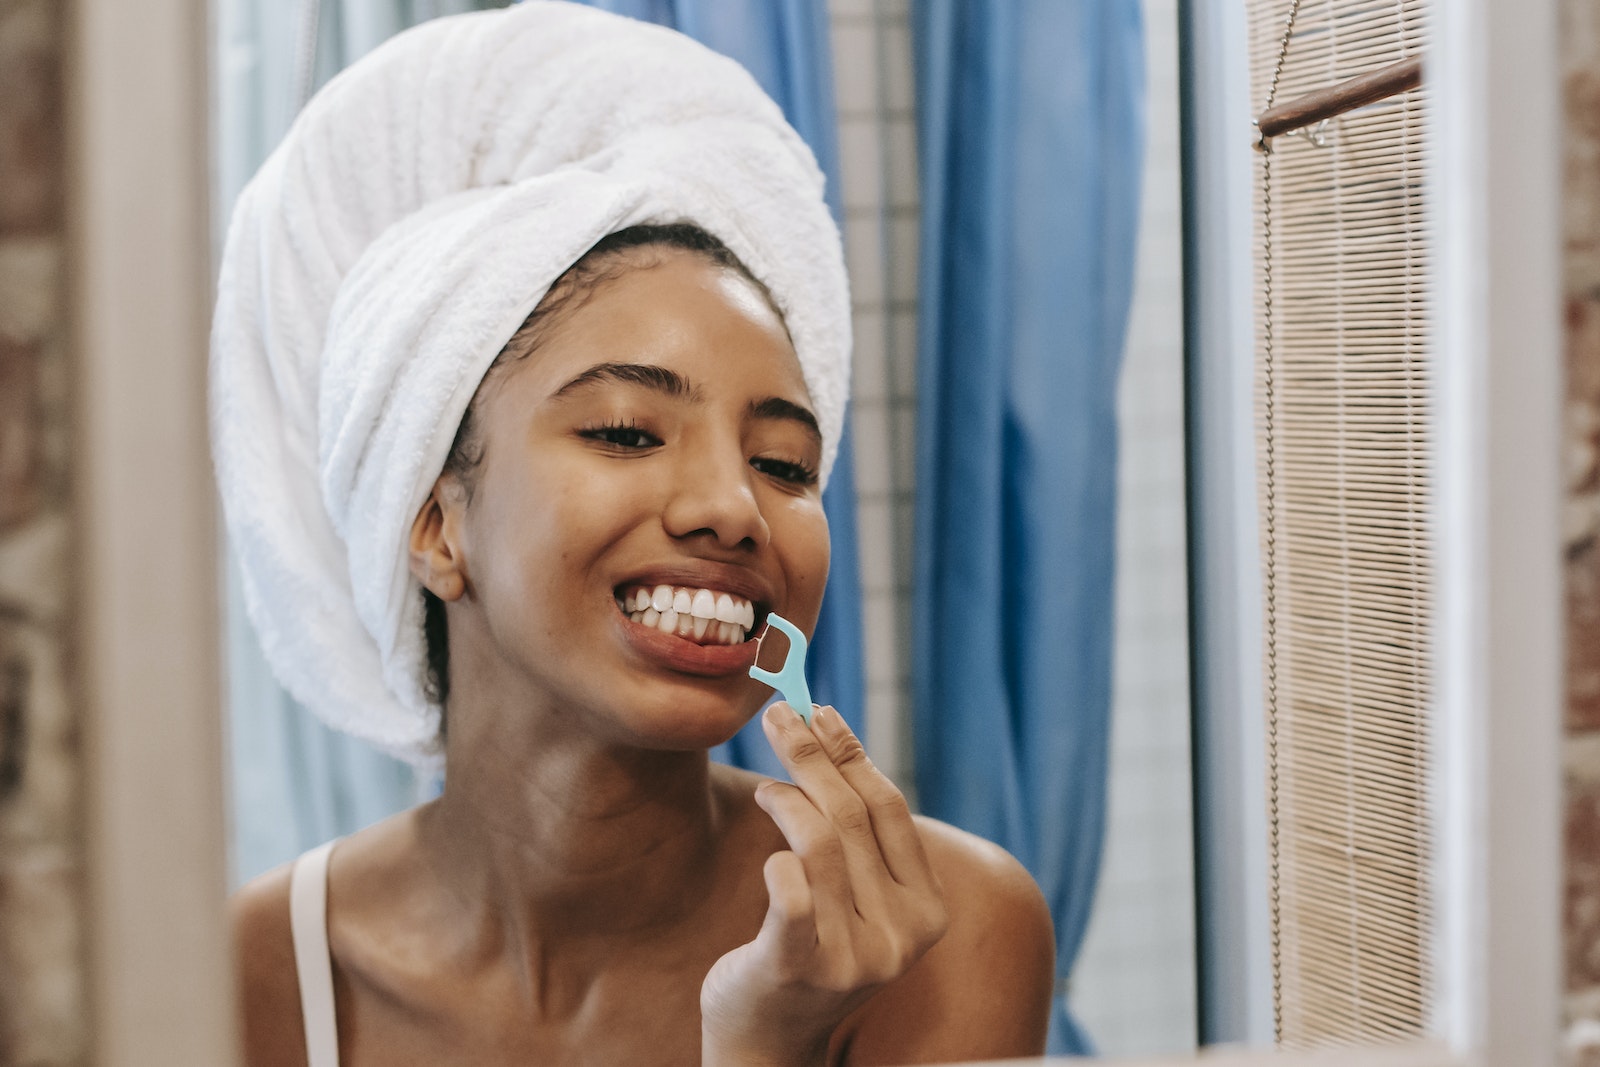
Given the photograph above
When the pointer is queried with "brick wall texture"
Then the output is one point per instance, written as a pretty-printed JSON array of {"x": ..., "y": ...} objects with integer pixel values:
[
  {"x": 1581, "y": 90},
  {"x": 42, "y": 971}
]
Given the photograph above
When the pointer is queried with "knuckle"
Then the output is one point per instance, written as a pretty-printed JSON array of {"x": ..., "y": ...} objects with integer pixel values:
[
  {"x": 851, "y": 753},
  {"x": 902, "y": 948},
  {"x": 910, "y": 952},
  {"x": 888, "y": 799},
  {"x": 896, "y": 965},
  {"x": 807, "y": 750},
  {"x": 922, "y": 922},
  {"x": 818, "y": 845},
  {"x": 875, "y": 974},
  {"x": 853, "y": 818},
  {"x": 886, "y": 965},
  {"x": 877, "y": 957},
  {"x": 932, "y": 921},
  {"x": 791, "y": 969},
  {"x": 839, "y": 978}
]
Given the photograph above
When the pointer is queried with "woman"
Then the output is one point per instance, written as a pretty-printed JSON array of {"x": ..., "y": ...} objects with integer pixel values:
[{"x": 652, "y": 437}]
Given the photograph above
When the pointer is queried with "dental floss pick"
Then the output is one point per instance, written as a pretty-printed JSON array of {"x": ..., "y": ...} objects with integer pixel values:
[{"x": 790, "y": 680}]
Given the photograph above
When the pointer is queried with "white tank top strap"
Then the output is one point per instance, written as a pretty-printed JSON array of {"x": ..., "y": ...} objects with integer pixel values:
[{"x": 308, "y": 921}]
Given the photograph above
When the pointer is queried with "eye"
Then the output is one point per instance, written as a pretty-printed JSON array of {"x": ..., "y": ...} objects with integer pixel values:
[
  {"x": 794, "y": 473},
  {"x": 623, "y": 437}
]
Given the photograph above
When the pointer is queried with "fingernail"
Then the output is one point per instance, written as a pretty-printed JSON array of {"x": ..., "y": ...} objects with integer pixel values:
[{"x": 826, "y": 718}]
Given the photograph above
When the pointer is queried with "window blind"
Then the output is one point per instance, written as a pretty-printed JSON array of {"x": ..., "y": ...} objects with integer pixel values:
[{"x": 1343, "y": 451}]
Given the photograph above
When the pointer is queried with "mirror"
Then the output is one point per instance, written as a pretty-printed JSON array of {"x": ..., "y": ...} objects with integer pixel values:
[{"x": 1133, "y": 986}]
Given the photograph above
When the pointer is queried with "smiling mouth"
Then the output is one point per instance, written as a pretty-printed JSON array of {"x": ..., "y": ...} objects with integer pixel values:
[{"x": 702, "y": 616}]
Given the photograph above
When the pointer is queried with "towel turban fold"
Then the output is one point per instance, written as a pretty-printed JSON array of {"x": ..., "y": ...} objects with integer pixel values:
[{"x": 415, "y": 214}]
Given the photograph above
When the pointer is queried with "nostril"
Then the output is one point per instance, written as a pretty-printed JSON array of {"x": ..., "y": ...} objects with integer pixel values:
[{"x": 728, "y": 515}]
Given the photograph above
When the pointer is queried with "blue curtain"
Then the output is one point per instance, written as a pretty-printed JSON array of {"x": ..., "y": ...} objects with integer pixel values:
[
  {"x": 785, "y": 45},
  {"x": 1031, "y": 130}
]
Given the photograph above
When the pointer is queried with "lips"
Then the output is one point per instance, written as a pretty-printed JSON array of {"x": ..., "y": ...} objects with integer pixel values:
[
  {"x": 683, "y": 655},
  {"x": 726, "y": 604}
]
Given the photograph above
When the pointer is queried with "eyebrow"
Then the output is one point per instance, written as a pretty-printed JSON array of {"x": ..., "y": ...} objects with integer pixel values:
[
  {"x": 671, "y": 383},
  {"x": 660, "y": 379},
  {"x": 775, "y": 407}
]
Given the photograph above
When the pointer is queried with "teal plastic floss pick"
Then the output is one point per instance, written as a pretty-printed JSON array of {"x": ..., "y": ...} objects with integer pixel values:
[{"x": 791, "y": 677}]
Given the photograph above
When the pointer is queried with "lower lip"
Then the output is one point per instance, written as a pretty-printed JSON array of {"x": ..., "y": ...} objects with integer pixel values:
[{"x": 678, "y": 654}]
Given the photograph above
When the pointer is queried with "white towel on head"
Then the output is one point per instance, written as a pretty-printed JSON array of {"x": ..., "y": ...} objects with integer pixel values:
[{"x": 417, "y": 211}]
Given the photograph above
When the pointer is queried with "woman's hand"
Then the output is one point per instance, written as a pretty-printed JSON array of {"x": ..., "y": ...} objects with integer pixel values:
[{"x": 850, "y": 908}]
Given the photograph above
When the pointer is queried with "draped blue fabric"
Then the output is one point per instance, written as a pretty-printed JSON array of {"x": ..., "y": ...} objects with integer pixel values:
[
  {"x": 785, "y": 45},
  {"x": 1031, "y": 133}
]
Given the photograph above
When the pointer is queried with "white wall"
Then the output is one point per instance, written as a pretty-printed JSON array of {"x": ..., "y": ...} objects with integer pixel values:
[{"x": 1134, "y": 985}]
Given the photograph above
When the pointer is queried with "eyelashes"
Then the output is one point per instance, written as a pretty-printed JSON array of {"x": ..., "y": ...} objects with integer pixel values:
[
  {"x": 786, "y": 470},
  {"x": 627, "y": 437}
]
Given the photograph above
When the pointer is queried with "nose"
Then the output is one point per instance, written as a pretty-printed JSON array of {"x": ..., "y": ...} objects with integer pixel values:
[{"x": 713, "y": 496}]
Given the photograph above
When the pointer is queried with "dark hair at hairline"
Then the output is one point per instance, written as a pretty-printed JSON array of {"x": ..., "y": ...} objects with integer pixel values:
[{"x": 607, "y": 260}]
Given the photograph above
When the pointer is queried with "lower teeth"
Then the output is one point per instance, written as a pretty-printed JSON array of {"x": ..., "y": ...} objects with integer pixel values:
[{"x": 704, "y": 631}]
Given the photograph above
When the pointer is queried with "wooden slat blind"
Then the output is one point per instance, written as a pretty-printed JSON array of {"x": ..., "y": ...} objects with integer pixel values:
[{"x": 1343, "y": 450}]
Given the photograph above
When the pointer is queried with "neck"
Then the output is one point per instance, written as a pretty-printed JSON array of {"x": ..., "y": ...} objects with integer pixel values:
[{"x": 570, "y": 838}]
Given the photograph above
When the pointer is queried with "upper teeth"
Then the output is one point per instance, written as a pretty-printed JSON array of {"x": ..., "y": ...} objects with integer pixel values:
[{"x": 703, "y": 614}]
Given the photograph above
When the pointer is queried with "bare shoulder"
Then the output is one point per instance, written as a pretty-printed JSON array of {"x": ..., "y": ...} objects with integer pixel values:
[
  {"x": 980, "y": 874},
  {"x": 267, "y": 984},
  {"x": 982, "y": 992},
  {"x": 999, "y": 921}
]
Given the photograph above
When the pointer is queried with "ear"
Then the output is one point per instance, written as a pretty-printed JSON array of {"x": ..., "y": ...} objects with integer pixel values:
[{"x": 436, "y": 557}]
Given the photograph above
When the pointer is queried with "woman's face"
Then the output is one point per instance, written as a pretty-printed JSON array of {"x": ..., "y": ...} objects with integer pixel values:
[{"x": 657, "y": 452}]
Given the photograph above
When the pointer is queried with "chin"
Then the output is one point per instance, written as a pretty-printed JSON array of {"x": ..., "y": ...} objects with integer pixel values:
[{"x": 679, "y": 724}]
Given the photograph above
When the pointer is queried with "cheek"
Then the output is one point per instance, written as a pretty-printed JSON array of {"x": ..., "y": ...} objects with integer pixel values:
[
  {"x": 803, "y": 529},
  {"x": 555, "y": 521}
]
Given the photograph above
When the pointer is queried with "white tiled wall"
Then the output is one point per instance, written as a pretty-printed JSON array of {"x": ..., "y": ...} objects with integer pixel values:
[
  {"x": 1134, "y": 985},
  {"x": 872, "y": 85}
]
